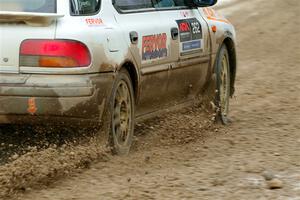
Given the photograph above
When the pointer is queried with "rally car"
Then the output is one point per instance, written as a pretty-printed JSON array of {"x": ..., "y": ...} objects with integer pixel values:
[{"x": 111, "y": 61}]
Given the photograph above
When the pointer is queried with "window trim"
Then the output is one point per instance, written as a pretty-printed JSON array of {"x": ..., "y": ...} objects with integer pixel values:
[
  {"x": 142, "y": 10},
  {"x": 82, "y": 15}
]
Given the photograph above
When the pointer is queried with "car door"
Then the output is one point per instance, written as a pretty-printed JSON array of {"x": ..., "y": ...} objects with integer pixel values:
[
  {"x": 188, "y": 75},
  {"x": 150, "y": 44}
]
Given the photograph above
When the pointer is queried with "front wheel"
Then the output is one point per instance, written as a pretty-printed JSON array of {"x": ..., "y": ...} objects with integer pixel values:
[
  {"x": 222, "y": 71},
  {"x": 122, "y": 114}
]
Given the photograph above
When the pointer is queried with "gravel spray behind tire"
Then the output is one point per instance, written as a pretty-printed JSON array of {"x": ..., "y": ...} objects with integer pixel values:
[{"x": 222, "y": 71}]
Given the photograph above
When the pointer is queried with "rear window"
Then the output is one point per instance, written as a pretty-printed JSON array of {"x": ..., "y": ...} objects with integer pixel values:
[{"x": 37, "y": 6}]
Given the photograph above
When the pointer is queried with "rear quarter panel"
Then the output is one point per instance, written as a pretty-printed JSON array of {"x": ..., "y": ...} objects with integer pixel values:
[{"x": 99, "y": 32}]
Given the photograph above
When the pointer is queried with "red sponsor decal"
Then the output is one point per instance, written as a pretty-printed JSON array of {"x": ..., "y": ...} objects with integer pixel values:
[
  {"x": 211, "y": 14},
  {"x": 184, "y": 13},
  {"x": 94, "y": 21},
  {"x": 184, "y": 27},
  {"x": 31, "y": 106},
  {"x": 154, "y": 46}
]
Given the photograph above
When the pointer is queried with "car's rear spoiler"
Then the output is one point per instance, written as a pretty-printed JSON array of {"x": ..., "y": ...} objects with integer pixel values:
[{"x": 32, "y": 19}]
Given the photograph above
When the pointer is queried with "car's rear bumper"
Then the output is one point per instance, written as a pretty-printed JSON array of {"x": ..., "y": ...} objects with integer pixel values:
[{"x": 59, "y": 98}]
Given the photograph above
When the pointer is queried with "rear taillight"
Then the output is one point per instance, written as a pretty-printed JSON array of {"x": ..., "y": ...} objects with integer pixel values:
[{"x": 54, "y": 53}]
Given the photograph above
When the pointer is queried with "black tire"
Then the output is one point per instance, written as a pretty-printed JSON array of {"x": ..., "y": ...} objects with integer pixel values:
[
  {"x": 222, "y": 71},
  {"x": 122, "y": 109}
]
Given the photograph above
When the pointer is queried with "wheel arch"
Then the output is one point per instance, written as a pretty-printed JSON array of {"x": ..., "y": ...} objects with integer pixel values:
[
  {"x": 230, "y": 45},
  {"x": 134, "y": 76}
]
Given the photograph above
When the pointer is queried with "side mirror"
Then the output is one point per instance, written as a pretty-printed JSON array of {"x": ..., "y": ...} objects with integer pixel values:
[{"x": 204, "y": 3}]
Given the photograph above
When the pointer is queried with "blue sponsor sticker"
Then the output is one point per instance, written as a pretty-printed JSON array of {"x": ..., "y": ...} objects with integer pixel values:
[{"x": 191, "y": 45}]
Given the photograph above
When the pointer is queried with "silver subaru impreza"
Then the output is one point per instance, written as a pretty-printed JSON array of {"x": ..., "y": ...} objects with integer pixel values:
[{"x": 111, "y": 61}]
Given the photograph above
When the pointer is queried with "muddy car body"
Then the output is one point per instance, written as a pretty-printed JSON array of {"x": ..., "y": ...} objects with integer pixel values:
[{"x": 73, "y": 60}]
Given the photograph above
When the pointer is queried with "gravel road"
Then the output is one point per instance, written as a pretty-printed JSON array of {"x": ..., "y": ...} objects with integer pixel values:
[{"x": 183, "y": 155}]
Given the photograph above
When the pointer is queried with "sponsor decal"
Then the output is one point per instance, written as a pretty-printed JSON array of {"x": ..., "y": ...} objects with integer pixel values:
[
  {"x": 190, "y": 32},
  {"x": 184, "y": 27},
  {"x": 211, "y": 14},
  {"x": 191, "y": 45},
  {"x": 154, "y": 46},
  {"x": 185, "y": 13},
  {"x": 94, "y": 21},
  {"x": 31, "y": 106}
]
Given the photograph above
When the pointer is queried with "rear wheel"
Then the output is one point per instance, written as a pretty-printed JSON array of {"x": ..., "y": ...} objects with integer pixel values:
[
  {"x": 222, "y": 71},
  {"x": 122, "y": 114}
]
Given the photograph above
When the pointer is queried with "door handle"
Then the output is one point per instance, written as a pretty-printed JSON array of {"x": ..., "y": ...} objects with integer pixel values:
[
  {"x": 174, "y": 33},
  {"x": 134, "y": 37}
]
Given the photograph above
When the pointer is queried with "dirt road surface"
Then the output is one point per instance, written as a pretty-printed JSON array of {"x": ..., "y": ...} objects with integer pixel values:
[{"x": 183, "y": 155}]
